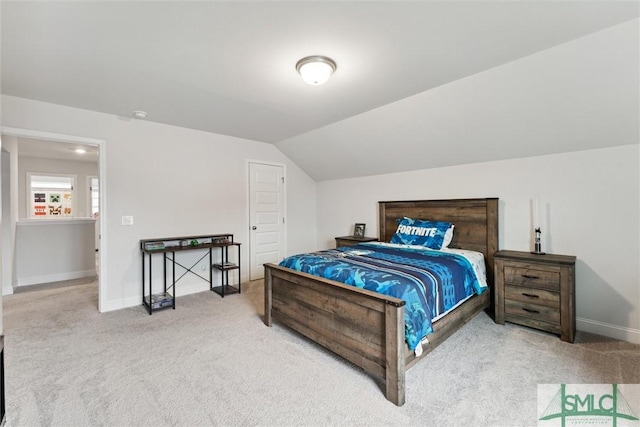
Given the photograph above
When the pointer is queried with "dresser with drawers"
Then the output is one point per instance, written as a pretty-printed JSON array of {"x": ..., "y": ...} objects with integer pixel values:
[{"x": 536, "y": 291}]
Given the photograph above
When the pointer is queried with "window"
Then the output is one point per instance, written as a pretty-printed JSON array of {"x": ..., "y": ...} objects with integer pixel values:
[
  {"x": 94, "y": 196},
  {"x": 51, "y": 196}
]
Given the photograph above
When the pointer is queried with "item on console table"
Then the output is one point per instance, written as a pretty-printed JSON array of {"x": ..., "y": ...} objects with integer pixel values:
[
  {"x": 162, "y": 300},
  {"x": 225, "y": 265},
  {"x": 154, "y": 246}
]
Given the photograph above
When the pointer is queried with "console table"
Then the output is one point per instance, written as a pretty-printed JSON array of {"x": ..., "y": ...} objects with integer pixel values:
[
  {"x": 224, "y": 266},
  {"x": 169, "y": 248}
]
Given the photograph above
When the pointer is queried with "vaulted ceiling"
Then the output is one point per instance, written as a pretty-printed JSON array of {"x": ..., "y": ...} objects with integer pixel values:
[{"x": 229, "y": 67}]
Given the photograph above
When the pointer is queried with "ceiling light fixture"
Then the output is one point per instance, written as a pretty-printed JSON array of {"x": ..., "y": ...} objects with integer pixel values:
[
  {"x": 316, "y": 70},
  {"x": 80, "y": 150},
  {"x": 139, "y": 114}
]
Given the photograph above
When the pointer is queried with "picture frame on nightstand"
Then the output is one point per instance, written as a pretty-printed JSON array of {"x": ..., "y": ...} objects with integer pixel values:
[{"x": 358, "y": 229}]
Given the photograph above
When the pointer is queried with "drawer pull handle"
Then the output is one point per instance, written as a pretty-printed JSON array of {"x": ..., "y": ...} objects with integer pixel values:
[
  {"x": 528, "y": 310},
  {"x": 526, "y": 276},
  {"x": 530, "y": 295}
]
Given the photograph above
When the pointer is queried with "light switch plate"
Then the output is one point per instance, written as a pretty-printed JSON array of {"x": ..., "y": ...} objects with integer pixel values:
[{"x": 127, "y": 220}]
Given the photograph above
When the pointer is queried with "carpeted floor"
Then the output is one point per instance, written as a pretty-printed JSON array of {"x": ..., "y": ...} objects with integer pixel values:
[{"x": 211, "y": 361}]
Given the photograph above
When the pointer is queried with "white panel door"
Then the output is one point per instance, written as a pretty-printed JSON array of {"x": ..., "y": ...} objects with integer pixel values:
[{"x": 266, "y": 215}]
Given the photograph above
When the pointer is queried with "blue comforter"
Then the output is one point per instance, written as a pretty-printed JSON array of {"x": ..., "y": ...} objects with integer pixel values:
[{"x": 430, "y": 282}]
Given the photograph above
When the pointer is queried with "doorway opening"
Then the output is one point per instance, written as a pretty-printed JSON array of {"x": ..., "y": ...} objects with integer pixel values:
[{"x": 77, "y": 212}]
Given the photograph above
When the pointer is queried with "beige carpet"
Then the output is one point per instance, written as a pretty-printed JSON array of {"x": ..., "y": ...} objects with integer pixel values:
[{"x": 211, "y": 361}]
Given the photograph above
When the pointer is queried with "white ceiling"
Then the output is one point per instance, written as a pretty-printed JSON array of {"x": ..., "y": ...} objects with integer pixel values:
[
  {"x": 229, "y": 67},
  {"x": 29, "y": 147}
]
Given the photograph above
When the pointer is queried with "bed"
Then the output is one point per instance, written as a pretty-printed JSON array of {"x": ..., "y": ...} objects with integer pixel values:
[{"x": 367, "y": 328}]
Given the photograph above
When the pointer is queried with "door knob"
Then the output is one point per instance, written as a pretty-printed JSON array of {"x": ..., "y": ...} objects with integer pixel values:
[{"x": 254, "y": 228}]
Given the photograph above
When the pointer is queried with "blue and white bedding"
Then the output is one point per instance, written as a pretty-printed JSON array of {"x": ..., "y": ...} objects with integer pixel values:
[{"x": 431, "y": 282}]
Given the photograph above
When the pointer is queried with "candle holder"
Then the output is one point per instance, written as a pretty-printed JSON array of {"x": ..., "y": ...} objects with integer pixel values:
[{"x": 537, "y": 245}]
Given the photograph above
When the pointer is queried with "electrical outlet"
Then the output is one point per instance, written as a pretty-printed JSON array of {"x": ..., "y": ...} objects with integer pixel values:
[{"x": 127, "y": 220}]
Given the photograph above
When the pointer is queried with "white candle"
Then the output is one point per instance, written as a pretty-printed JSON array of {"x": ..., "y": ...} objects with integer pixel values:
[{"x": 536, "y": 218}]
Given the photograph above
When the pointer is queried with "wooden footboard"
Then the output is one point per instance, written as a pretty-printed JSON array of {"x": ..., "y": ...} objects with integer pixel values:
[{"x": 364, "y": 327}]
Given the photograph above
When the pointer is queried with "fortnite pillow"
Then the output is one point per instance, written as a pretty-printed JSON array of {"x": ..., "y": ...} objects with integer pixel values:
[{"x": 431, "y": 234}]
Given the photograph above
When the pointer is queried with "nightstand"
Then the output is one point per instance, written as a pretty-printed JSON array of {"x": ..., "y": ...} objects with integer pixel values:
[
  {"x": 352, "y": 240},
  {"x": 536, "y": 291}
]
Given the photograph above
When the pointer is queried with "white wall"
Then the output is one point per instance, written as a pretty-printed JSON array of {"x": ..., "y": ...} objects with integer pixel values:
[
  {"x": 3, "y": 237},
  {"x": 589, "y": 203},
  {"x": 9, "y": 211},
  {"x": 52, "y": 250},
  {"x": 54, "y": 166},
  {"x": 173, "y": 181}
]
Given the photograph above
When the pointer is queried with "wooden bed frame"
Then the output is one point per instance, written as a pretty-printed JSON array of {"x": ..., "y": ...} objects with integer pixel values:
[{"x": 365, "y": 327}]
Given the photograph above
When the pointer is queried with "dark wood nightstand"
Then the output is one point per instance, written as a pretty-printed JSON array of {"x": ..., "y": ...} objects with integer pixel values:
[
  {"x": 536, "y": 291},
  {"x": 352, "y": 240}
]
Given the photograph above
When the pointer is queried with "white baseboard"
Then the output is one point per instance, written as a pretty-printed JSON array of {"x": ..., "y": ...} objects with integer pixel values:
[
  {"x": 120, "y": 304},
  {"x": 608, "y": 330},
  {"x": 192, "y": 288},
  {"x": 187, "y": 289},
  {"x": 37, "y": 280}
]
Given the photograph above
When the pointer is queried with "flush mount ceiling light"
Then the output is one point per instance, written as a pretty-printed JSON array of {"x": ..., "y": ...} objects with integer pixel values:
[
  {"x": 316, "y": 70},
  {"x": 139, "y": 114},
  {"x": 80, "y": 150}
]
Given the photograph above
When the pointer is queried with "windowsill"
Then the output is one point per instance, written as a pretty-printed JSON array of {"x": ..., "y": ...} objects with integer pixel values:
[{"x": 48, "y": 221}]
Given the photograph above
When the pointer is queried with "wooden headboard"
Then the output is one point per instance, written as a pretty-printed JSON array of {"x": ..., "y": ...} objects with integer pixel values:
[{"x": 475, "y": 220}]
